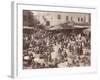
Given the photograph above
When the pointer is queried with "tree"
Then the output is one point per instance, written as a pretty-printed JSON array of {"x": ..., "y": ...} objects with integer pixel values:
[{"x": 29, "y": 18}]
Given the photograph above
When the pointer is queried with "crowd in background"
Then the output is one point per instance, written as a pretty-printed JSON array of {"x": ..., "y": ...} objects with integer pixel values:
[{"x": 52, "y": 49}]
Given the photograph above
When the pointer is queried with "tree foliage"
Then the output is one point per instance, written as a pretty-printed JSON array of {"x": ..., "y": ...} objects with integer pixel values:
[{"x": 29, "y": 18}]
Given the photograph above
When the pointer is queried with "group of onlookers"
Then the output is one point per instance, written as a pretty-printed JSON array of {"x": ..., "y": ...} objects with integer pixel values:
[{"x": 57, "y": 49}]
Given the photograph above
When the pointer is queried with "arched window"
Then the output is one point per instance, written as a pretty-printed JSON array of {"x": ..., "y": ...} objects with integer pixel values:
[
  {"x": 81, "y": 19},
  {"x": 78, "y": 19},
  {"x": 59, "y": 16},
  {"x": 67, "y": 18}
]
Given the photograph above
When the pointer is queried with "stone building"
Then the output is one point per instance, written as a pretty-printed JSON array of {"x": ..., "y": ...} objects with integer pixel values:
[{"x": 57, "y": 18}]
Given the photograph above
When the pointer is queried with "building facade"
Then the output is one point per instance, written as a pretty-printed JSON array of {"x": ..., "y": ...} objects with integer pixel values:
[{"x": 56, "y": 18}]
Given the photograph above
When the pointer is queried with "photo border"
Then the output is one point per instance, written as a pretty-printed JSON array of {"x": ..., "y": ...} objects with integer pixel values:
[{"x": 16, "y": 71}]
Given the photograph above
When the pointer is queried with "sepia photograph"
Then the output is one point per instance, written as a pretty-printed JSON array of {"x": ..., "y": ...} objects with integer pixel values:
[{"x": 55, "y": 39}]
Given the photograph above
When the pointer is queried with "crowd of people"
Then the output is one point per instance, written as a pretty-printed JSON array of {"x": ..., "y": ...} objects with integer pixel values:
[{"x": 54, "y": 49}]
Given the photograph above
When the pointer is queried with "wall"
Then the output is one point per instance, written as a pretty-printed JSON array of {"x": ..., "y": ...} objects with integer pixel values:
[{"x": 53, "y": 17}]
